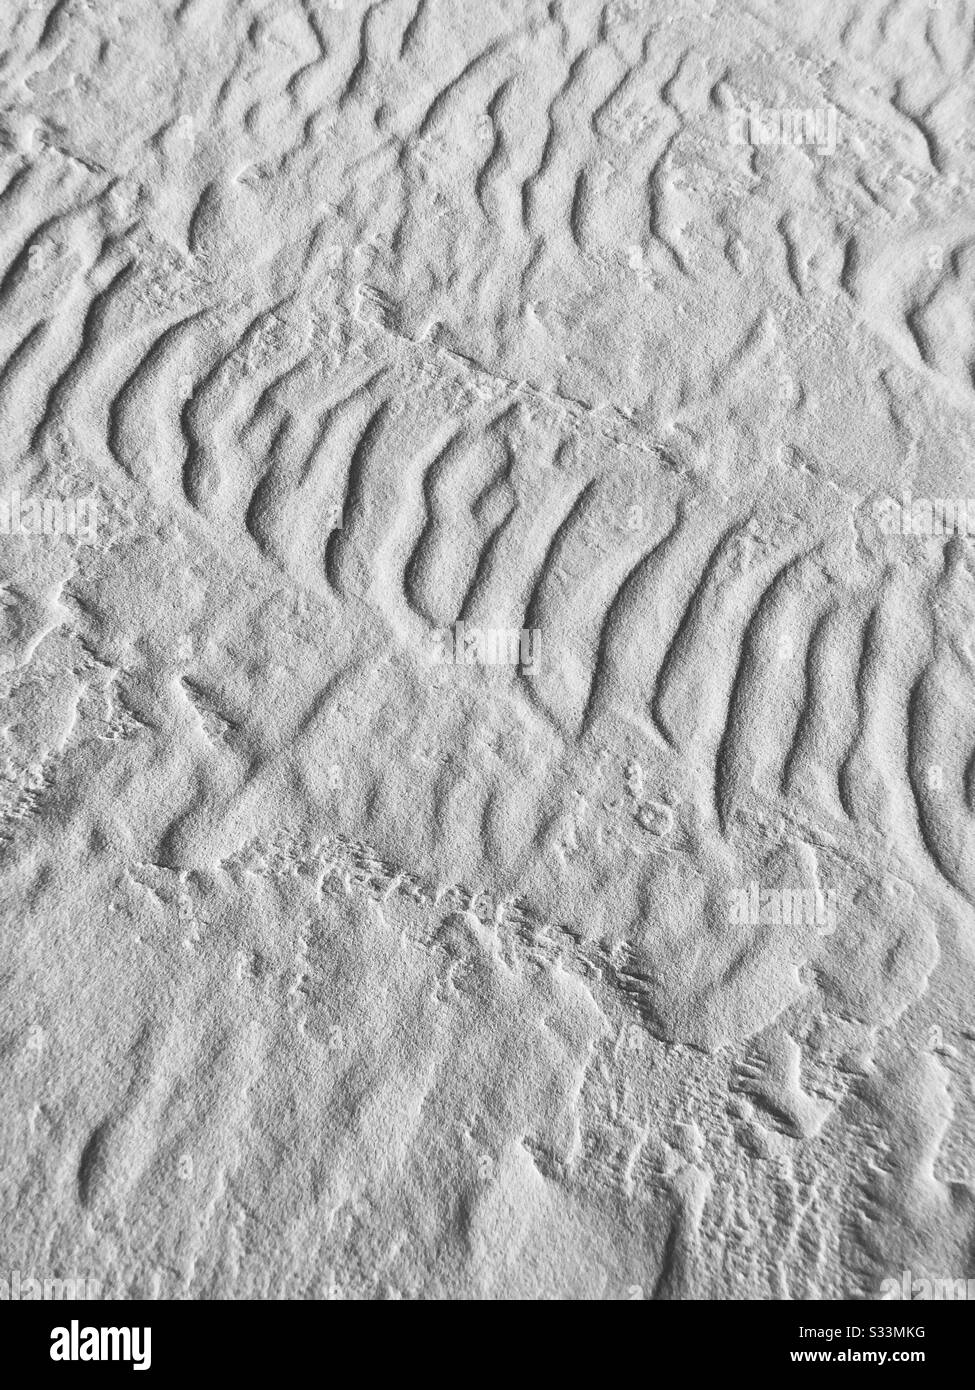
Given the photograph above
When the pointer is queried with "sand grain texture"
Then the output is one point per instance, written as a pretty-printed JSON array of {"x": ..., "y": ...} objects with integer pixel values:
[{"x": 329, "y": 970}]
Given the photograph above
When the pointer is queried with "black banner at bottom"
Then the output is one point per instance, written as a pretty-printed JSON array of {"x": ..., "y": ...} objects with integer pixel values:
[{"x": 166, "y": 1340}]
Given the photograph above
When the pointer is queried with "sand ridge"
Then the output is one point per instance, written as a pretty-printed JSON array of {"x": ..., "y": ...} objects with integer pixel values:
[{"x": 600, "y": 344}]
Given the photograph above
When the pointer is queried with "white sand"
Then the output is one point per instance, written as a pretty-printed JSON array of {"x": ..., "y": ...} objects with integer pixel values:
[{"x": 331, "y": 969}]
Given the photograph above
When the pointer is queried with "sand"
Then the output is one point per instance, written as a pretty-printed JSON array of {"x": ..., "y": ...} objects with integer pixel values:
[{"x": 488, "y": 765}]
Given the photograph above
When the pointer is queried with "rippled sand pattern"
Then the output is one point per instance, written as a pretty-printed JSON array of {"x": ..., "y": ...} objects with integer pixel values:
[{"x": 625, "y": 352}]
